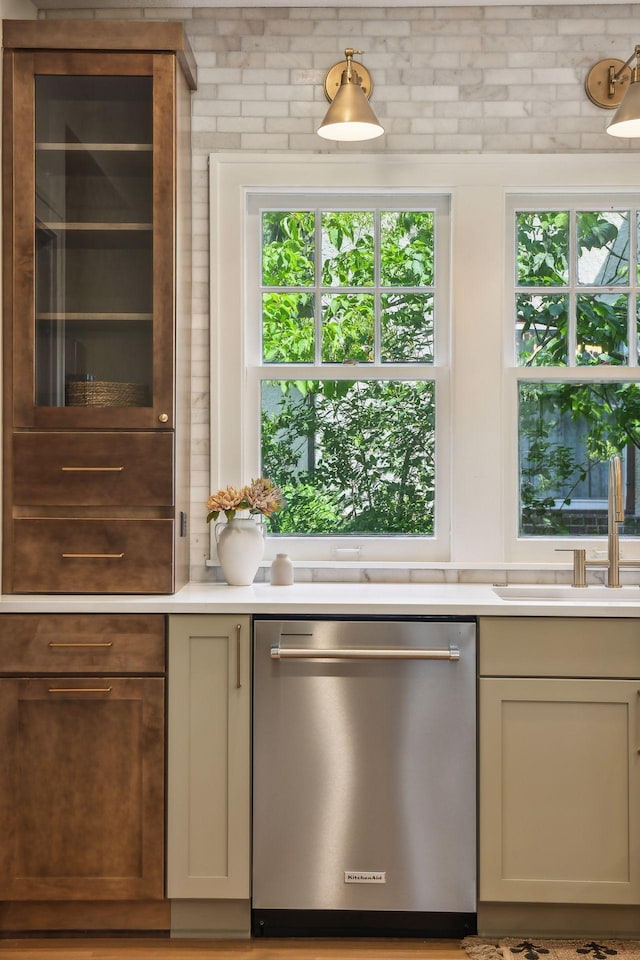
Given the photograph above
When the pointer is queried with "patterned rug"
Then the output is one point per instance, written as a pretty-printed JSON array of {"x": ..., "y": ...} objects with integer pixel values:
[{"x": 509, "y": 948}]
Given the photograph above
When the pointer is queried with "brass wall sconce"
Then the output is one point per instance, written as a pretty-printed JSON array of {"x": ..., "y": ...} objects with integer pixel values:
[
  {"x": 348, "y": 86},
  {"x": 612, "y": 83}
]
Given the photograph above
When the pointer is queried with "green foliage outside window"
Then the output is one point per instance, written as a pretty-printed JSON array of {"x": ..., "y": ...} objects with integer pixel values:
[{"x": 351, "y": 456}]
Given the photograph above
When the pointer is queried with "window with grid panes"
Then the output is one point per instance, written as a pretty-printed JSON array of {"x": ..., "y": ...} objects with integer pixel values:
[
  {"x": 349, "y": 304},
  {"x": 576, "y": 313}
]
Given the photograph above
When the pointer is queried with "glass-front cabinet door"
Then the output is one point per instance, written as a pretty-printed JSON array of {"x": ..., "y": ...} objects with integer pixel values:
[{"x": 93, "y": 240}]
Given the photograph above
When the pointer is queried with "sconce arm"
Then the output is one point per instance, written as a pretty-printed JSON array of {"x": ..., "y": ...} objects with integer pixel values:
[{"x": 635, "y": 55}]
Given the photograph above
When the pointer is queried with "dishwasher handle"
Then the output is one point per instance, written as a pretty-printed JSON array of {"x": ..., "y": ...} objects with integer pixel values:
[{"x": 346, "y": 653}]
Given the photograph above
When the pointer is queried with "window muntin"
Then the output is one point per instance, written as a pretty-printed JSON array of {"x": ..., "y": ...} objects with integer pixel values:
[
  {"x": 574, "y": 287},
  {"x": 366, "y": 277},
  {"x": 350, "y": 289},
  {"x": 576, "y": 306}
]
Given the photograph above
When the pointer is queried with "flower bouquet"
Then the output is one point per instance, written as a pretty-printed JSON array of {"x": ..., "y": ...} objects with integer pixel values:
[
  {"x": 241, "y": 542},
  {"x": 260, "y": 496}
]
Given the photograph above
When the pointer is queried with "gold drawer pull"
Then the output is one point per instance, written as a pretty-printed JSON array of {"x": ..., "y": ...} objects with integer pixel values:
[
  {"x": 60, "y": 643},
  {"x": 92, "y": 469},
  {"x": 80, "y": 689},
  {"x": 92, "y": 556}
]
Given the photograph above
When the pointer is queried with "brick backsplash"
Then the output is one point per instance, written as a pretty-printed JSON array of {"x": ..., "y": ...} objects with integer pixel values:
[{"x": 467, "y": 79}]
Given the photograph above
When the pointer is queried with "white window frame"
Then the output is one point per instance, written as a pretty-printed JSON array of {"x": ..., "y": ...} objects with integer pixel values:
[
  {"x": 372, "y": 547},
  {"x": 238, "y": 460},
  {"x": 477, "y": 468},
  {"x": 538, "y": 547}
]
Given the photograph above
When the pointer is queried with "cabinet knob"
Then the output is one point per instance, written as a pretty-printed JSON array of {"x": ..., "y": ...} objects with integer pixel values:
[{"x": 163, "y": 418}]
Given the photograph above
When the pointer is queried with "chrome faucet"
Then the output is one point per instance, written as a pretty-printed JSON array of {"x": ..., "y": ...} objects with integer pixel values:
[{"x": 615, "y": 516}]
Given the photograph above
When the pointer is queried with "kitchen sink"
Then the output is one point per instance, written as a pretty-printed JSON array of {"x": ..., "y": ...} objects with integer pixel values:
[{"x": 556, "y": 591}]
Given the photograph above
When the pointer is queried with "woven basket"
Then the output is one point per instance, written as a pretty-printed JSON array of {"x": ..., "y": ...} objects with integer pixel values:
[{"x": 104, "y": 393}]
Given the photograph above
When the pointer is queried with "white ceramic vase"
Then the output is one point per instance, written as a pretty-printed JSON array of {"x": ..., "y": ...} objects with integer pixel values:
[{"x": 240, "y": 548}]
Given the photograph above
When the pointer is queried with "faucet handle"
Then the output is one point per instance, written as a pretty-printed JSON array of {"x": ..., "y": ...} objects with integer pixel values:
[{"x": 579, "y": 564}]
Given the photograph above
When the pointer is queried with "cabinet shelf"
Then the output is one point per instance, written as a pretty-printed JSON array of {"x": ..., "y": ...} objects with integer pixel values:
[
  {"x": 56, "y": 243},
  {"x": 66, "y": 226},
  {"x": 72, "y": 147},
  {"x": 63, "y": 315}
]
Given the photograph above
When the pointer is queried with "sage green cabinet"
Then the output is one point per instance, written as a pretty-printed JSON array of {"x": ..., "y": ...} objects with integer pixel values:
[
  {"x": 559, "y": 763},
  {"x": 209, "y": 757}
]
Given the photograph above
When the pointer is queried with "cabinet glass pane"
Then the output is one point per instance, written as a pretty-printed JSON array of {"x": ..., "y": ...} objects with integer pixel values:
[
  {"x": 77, "y": 110},
  {"x": 94, "y": 241}
]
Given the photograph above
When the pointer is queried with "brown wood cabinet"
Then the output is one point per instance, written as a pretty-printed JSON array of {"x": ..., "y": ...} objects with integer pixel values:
[
  {"x": 96, "y": 195},
  {"x": 82, "y": 760}
]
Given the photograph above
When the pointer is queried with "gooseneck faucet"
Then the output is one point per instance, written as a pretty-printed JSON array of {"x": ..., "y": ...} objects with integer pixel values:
[{"x": 615, "y": 516}]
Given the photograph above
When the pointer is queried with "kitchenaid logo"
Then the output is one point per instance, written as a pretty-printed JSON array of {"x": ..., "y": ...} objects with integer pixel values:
[{"x": 365, "y": 876}]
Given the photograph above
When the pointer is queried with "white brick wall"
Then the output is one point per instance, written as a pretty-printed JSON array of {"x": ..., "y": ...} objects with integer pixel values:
[{"x": 465, "y": 79}]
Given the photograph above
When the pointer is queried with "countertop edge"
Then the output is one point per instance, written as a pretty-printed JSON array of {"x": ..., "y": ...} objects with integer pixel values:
[{"x": 339, "y": 599}]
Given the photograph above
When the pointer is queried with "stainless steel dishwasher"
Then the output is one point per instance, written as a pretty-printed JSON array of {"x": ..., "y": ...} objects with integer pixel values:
[{"x": 364, "y": 777}]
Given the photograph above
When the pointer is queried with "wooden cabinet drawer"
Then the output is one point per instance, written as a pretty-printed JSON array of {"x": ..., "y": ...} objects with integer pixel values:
[
  {"x": 92, "y": 556},
  {"x": 84, "y": 643},
  {"x": 93, "y": 469},
  {"x": 559, "y": 647}
]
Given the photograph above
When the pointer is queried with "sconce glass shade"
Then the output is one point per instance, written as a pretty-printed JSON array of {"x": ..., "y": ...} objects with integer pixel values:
[
  {"x": 349, "y": 118},
  {"x": 626, "y": 120}
]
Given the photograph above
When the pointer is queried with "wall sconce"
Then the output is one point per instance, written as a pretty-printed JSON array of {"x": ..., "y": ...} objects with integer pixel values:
[
  {"x": 611, "y": 84},
  {"x": 349, "y": 117}
]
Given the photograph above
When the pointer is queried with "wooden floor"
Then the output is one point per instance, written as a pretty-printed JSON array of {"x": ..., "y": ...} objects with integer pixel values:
[{"x": 231, "y": 950}]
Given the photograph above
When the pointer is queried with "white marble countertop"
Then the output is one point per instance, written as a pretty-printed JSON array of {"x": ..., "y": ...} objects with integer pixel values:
[{"x": 362, "y": 599}]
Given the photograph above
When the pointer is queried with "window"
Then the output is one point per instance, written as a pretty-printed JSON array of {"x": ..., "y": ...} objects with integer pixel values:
[
  {"x": 576, "y": 313},
  {"x": 528, "y": 321},
  {"x": 348, "y": 300}
]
